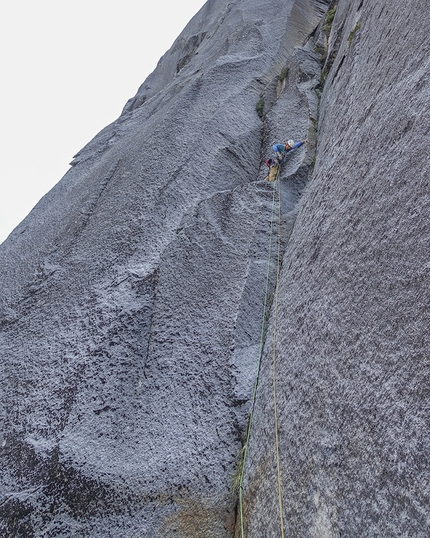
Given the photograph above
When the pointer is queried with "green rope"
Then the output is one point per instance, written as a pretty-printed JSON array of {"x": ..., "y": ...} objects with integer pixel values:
[{"x": 260, "y": 353}]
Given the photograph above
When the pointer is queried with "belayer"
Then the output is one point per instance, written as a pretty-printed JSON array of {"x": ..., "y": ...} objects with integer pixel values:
[{"x": 280, "y": 152}]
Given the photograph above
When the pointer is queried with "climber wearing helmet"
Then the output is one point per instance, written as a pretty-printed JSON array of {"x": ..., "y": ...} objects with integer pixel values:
[{"x": 280, "y": 152}]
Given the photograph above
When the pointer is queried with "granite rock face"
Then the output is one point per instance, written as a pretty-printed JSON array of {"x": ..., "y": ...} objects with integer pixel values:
[
  {"x": 352, "y": 343},
  {"x": 132, "y": 295}
]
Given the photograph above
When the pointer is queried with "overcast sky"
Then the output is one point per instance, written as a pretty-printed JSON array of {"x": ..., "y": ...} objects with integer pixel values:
[{"x": 67, "y": 69}]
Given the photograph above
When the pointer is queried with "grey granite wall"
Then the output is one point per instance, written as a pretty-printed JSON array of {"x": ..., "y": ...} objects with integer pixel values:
[
  {"x": 132, "y": 295},
  {"x": 353, "y": 349}
]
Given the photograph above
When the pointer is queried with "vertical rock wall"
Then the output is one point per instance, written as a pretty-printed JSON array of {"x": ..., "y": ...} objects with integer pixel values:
[
  {"x": 353, "y": 349},
  {"x": 132, "y": 294}
]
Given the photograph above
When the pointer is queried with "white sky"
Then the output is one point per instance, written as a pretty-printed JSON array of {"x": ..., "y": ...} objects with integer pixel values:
[{"x": 67, "y": 69}]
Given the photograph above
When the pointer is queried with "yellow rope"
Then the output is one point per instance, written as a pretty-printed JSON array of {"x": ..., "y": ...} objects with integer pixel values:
[
  {"x": 263, "y": 326},
  {"x": 275, "y": 407}
]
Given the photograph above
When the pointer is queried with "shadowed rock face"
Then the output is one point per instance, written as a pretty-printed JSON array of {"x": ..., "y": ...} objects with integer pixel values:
[{"x": 132, "y": 295}]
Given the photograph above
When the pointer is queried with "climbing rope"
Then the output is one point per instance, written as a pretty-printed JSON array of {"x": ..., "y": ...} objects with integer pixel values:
[
  {"x": 276, "y": 190},
  {"x": 275, "y": 406}
]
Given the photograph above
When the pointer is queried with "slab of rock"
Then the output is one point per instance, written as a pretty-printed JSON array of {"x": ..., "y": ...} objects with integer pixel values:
[
  {"x": 352, "y": 342},
  {"x": 132, "y": 295}
]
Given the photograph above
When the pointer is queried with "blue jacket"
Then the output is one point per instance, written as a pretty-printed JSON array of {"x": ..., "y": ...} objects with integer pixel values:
[
  {"x": 280, "y": 148},
  {"x": 281, "y": 151}
]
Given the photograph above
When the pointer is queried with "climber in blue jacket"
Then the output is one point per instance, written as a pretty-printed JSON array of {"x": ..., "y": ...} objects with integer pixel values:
[{"x": 280, "y": 152}]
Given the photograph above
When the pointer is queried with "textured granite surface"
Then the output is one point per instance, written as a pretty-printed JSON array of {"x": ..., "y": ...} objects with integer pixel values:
[
  {"x": 353, "y": 347},
  {"x": 132, "y": 295}
]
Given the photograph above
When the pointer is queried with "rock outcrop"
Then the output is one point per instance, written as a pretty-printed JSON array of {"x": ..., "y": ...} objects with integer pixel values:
[
  {"x": 353, "y": 348},
  {"x": 132, "y": 295}
]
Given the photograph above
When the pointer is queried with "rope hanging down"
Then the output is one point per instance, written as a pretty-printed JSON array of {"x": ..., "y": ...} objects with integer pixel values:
[
  {"x": 276, "y": 190},
  {"x": 275, "y": 407}
]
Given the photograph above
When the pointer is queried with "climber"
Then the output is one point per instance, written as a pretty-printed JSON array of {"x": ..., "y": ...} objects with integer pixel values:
[{"x": 280, "y": 152}]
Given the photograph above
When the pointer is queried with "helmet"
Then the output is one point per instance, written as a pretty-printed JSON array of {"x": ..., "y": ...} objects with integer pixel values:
[{"x": 290, "y": 143}]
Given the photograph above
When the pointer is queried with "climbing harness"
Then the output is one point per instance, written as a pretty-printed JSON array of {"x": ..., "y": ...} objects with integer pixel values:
[{"x": 276, "y": 190}]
